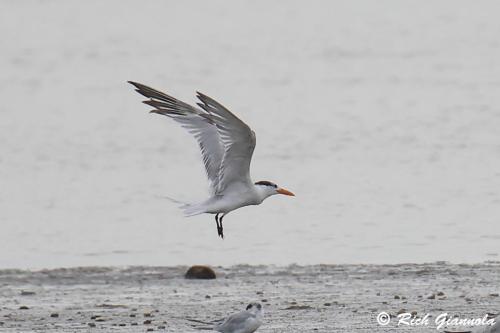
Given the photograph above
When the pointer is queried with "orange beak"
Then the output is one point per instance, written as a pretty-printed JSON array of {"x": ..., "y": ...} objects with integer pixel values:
[{"x": 285, "y": 192}]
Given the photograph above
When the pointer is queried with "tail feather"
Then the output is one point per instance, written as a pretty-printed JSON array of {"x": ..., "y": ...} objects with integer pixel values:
[
  {"x": 187, "y": 208},
  {"x": 173, "y": 200},
  {"x": 192, "y": 209}
]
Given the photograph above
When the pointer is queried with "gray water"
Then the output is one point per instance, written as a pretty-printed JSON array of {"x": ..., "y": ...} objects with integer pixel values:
[{"x": 383, "y": 117}]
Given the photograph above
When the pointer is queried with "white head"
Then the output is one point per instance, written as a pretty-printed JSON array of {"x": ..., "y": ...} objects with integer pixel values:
[
  {"x": 266, "y": 189},
  {"x": 255, "y": 309}
]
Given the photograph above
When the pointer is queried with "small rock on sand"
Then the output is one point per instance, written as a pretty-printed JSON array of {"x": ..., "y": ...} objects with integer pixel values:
[
  {"x": 200, "y": 272},
  {"x": 298, "y": 307}
]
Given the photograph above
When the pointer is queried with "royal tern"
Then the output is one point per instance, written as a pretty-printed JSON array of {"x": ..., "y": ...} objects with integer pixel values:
[
  {"x": 226, "y": 144},
  {"x": 247, "y": 321}
]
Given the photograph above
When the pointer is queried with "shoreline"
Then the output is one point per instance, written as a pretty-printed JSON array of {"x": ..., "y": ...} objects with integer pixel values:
[
  {"x": 225, "y": 267},
  {"x": 322, "y": 298}
]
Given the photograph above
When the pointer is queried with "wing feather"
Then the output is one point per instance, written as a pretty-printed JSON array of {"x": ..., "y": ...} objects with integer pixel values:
[
  {"x": 198, "y": 122},
  {"x": 239, "y": 322},
  {"x": 239, "y": 143}
]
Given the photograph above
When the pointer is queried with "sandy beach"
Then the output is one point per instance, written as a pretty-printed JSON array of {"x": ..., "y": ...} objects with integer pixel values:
[{"x": 320, "y": 298}]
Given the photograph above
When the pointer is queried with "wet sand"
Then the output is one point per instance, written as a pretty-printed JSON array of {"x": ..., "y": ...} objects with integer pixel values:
[{"x": 319, "y": 298}]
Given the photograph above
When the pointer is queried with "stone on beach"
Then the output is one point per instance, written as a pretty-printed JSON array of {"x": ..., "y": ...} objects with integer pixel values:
[{"x": 200, "y": 272}]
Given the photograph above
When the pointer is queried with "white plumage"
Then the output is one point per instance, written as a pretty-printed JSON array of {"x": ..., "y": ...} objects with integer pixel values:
[
  {"x": 226, "y": 145},
  {"x": 247, "y": 321}
]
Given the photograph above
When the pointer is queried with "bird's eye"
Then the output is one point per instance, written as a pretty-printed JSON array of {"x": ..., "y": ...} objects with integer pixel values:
[
  {"x": 275, "y": 186},
  {"x": 249, "y": 306}
]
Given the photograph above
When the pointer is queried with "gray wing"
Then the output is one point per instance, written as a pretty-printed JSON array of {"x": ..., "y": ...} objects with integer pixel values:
[
  {"x": 239, "y": 143},
  {"x": 198, "y": 122},
  {"x": 239, "y": 322}
]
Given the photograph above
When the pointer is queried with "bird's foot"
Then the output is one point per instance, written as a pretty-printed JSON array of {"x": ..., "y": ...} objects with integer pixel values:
[{"x": 220, "y": 231}]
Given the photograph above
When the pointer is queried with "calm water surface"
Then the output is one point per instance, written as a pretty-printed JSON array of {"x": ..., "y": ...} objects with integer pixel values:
[{"x": 382, "y": 117}]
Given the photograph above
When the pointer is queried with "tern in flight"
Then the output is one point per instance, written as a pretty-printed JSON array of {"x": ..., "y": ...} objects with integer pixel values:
[{"x": 226, "y": 144}]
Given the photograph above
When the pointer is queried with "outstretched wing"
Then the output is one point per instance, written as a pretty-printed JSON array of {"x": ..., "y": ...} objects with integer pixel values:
[
  {"x": 197, "y": 122},
  {"x": 239, "y": 144}
]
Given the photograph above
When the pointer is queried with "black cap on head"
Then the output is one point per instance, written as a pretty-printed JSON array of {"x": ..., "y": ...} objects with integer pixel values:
[
  {"x": 266, "y": 183},
  {"x": 254, "y": 305}
]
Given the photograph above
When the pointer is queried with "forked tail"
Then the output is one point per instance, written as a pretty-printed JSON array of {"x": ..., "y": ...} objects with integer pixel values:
[
  {"x": 192, "y": 209},
  {"x": 187, "y": 208}
]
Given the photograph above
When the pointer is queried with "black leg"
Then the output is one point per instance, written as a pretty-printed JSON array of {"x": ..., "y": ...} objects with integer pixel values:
[
  {"x": 217, "y": 221},
  {"x": 221, "y": 228},
  {"x": 219, "y": 225}
]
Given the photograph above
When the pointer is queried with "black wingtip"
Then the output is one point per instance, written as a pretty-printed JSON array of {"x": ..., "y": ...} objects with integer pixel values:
[{"x": 136, "y": 85}]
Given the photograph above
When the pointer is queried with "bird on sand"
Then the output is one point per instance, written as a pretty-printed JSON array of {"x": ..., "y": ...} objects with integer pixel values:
[
  {"x": 226, "y": 145},
  {"x": 247, "y": 321}
]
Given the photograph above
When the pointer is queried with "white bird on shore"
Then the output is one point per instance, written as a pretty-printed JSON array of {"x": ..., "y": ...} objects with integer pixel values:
[
  {"x": 226, "y": 144},
  {"x": 247, "y": 321}
]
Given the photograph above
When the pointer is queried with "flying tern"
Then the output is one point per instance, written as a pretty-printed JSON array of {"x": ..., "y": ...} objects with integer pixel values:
[
  {"x": 247, "y": 321},
  {"x": 226, "y": 145}
]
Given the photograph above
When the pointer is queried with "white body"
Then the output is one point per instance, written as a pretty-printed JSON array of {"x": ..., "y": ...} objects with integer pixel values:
[
  {"x": 227, "y": 146},
  {"x": 250, "y": 195},
  {"x": 247, "y": 321}
]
